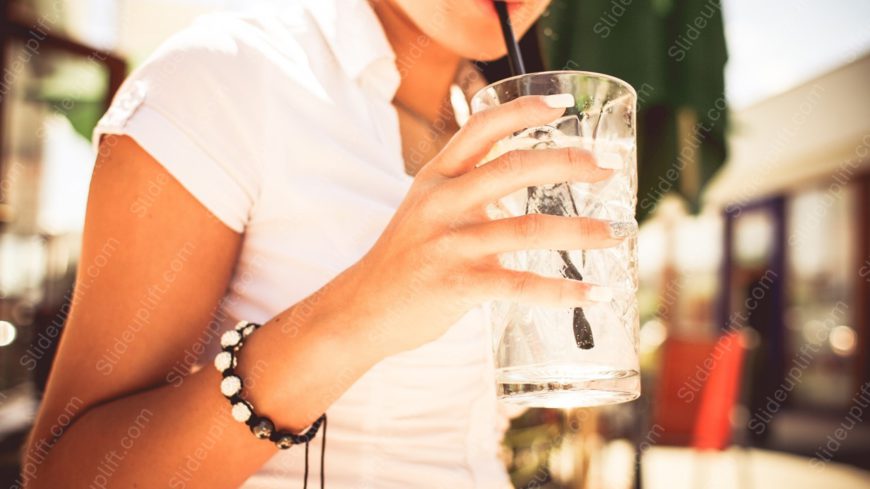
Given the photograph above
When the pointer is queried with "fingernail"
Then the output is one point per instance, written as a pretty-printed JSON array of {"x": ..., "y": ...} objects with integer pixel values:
[
  {"x": 622, "y": 229},
  {"x": 597, "y": 293},
  {"x": 559, "y": 101},
  {"x": 611, "y": 161}
]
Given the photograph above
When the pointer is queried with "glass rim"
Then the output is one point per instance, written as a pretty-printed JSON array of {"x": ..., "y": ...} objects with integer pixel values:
[{"x": 592, "y": 74}]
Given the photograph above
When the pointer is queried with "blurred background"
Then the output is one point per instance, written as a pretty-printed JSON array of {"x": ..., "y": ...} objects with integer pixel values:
[{"x": 754, "y": 195}]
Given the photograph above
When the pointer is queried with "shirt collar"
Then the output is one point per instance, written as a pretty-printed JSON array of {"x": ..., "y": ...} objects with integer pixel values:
[{"x": 358, "y": 41}]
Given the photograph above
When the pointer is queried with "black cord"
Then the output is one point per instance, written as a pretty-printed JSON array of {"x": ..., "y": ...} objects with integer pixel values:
[
  {"x": 323, "y": 453},
  {"x": 305, "y": 483},
  {"x": 322, "y": 458}
]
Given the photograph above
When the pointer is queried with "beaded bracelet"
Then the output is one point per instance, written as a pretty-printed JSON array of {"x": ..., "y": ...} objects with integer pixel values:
[{"x": 242, "y": 410}]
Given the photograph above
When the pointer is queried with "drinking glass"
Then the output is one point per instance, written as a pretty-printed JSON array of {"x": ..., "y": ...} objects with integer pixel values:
[{"x": 585, "y": 356}]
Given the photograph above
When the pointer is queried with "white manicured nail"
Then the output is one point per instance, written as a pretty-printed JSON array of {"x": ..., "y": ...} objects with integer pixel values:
[
  {"x": 611, "y": 161},
  {"x": 559, "y": 101},
  {"x": 622, "y": 229},
  {"x": 597, "y": 293}
]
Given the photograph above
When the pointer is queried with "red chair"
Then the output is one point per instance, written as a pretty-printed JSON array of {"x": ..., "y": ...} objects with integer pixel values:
[
  {"x": 721, "y": 392},
  {"x": 700, "y": 385},
  {"x": 678, "y": 392},
  {"x": 714, "y": 426}
]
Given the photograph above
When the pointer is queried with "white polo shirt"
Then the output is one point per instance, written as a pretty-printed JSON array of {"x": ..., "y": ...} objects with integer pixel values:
[{"x": 280, "y": 124}]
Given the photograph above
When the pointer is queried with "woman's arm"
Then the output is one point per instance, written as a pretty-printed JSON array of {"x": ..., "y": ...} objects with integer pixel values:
[
  {"x": 146, "y": 290},
  {"x": 147, "y": 286}
]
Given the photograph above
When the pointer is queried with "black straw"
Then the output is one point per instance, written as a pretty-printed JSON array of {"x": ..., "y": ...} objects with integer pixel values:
[
  {"x": 515, "y": 59},
  {"x": 582, "y": 329}
]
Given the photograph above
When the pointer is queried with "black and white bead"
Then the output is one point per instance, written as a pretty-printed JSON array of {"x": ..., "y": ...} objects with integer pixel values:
[
  {"x": 242, "y": 411},
  {"x": 225, "y": 360},
  {"x": 245, "y": 328},
  {"x": 231, "y": 385},
  {"x": 284, "y": 442},
  {"x": 263, "y": 428},
  {"x": 231, "y": 339}
]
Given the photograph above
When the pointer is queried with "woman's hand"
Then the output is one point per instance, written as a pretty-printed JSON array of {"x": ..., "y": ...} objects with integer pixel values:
[{"x": 438, "y": 256}]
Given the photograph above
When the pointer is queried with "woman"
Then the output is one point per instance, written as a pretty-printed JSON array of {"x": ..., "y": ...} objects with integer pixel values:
[{"x": 293, "y": 169}]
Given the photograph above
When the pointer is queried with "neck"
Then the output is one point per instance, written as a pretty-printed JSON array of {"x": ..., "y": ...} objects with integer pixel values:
[{"x": 427, "y": 68}]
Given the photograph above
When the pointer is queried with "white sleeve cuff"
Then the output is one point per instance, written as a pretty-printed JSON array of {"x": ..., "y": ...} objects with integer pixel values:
[{"x": 207, "y": 179}]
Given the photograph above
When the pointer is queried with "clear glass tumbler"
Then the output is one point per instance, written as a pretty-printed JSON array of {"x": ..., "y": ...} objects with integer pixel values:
[{"x": 587, "y": 356}]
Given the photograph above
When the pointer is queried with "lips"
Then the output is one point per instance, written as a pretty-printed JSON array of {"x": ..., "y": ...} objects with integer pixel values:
[{"x": 488, "y": 6}]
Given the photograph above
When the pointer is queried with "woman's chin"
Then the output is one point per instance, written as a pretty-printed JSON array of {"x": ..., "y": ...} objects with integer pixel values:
[
  {"x": 490, "y": 55},
  {"x": 479, "y": 50}
]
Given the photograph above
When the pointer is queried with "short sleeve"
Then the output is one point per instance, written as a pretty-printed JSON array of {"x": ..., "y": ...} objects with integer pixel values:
[{"x": 190, "y": 107}]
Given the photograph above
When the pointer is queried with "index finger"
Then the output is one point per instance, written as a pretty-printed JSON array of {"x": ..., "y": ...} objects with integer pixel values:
[{"x": 485, "y": 128}]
